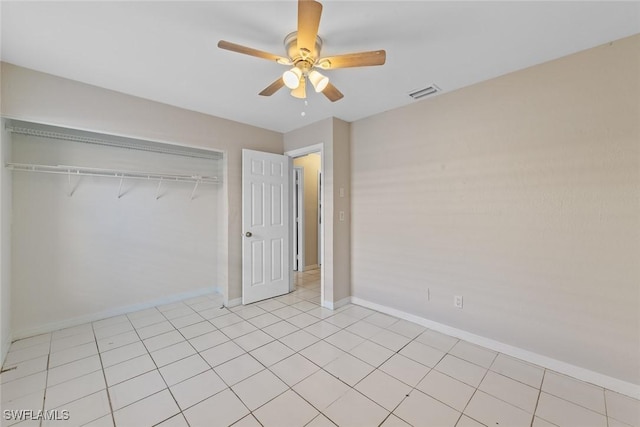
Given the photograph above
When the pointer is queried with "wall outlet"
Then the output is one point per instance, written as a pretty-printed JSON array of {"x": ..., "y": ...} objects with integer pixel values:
[{"x": 457, "y": 301}]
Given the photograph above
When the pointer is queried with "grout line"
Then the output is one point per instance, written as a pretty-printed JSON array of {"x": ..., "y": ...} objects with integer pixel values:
[
  {"x": 104, "y": 377},
  {"x": 46, "y": 380},
  {"x": 159, "y": 373},
  {"x": 606, "y": 409},
  {"x": 535, "y": 409}
]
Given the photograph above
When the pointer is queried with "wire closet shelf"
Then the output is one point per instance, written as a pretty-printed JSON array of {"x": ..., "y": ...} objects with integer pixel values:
[{"x": 114, "y": 173}]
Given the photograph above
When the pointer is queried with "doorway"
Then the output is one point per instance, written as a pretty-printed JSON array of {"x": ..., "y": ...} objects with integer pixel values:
[
  {"x": 306, "y": 211},
  {"x": 298, "y": 219},
  {"x": 307, "y": 221}
]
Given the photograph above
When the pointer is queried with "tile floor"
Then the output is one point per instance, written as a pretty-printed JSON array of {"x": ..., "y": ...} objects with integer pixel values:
[{"x": 287, "y": 362}]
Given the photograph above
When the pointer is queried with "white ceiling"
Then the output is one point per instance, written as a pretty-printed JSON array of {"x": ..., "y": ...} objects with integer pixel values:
[{"x": 166, "y": 51}]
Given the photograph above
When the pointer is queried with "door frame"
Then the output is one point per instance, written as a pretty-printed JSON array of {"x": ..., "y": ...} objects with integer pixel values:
[
  {"x": 298, "y": 228},
  {"x": 320, "y": 219},
  {"x": 299, "y": 152}
]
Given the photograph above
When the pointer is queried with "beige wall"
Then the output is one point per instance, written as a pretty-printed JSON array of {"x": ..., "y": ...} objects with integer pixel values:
[
  {"x": 334, "y": 135},
  {"x": 341, "y": 203},
  {"x": 38, "y": 97},
  {"x": 521, "y": 194},
  {"x": 311, "y": 166}
]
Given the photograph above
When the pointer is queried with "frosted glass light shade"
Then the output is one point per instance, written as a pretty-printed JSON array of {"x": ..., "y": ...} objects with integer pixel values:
[{"x": 318, "y": 80}]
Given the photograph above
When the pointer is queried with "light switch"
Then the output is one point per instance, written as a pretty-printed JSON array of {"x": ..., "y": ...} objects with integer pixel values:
[
  {"x": 341, "y": 191},
  {"x": 341, "y": 215}
]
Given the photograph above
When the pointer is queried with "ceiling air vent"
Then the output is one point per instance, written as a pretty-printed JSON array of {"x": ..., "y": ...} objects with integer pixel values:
[{"x": 421, "y": 93}]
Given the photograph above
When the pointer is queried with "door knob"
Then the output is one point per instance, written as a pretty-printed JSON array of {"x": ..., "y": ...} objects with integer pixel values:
[{"x": 248, "y": 234}]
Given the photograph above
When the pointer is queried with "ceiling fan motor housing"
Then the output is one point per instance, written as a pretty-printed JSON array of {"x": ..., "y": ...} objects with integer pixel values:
[{"x": 303, "y": 59}]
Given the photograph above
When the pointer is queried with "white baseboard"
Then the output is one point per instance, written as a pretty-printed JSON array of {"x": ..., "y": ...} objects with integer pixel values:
[
  {"x": 614, "y": 384},
  {"x": 67, "y": 323},
  {"x": 311, "y": 267},
  {"x": 336, "y": 305}
]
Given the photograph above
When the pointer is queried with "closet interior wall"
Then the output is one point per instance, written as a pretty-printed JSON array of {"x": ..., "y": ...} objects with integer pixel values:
[{"x": 95, "y": 247}]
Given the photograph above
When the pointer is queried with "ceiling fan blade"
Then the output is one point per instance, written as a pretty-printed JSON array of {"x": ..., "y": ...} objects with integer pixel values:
[
  {"x": 332, "y": 93},
  {"x": 309, "y": 12},
  {"x": 222, "y": 44},
  {"x": 272, "y": 88},
  {"x": 360, "y": 59}
]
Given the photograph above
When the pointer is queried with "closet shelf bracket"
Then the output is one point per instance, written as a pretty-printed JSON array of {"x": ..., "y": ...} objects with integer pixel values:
[
  {"x": 158, "y": 189},
  {"x": 120, "y": 186},
  {"x": 195, "y": 187}
]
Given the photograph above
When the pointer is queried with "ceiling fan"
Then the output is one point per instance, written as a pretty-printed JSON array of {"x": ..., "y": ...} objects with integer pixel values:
[{"x": 303, "y": 53}]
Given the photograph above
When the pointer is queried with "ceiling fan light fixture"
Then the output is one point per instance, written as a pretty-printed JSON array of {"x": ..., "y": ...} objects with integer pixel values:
[
  {"x": 292, "y": 78},
  {"x": 318, "y": 80},
  {"x": 300, "y": 92},
  {"x": 325, "y": 64},
  {"x": 303, "y": 51}
]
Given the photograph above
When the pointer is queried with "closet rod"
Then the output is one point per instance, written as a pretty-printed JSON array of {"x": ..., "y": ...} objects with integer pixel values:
[{"x": 110, "y": 173}]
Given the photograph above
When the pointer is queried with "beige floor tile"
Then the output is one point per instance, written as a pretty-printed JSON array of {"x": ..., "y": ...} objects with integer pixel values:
[
  {"x": 322, "y": 353},
  {"x": 287, "y": 409},
  {"x": 405, "y": 369},
  {"x": 258, "y": 389},
  {"x": 446, "y": 389},
  {"x": 564, "y": 413},
  {"x": 196, "y": 389},
  {"x": 422, "y": 353},
  {"x": 349, "y": 369},
  {"x": 511, "y": 391},
  {"x": 126, "y": 370},
  {"x": 372, "y": 353},
  {"x": 461, "y": 370},
  {"x": 573, "y": 390},
  {"x": 135, "y": 389},
  {"x": 420, "y": 410},
  {"x": 23, "y": 369},
  {"x": 321, "y": 389},
  {"x": 393, "y": 421},
  {"x": 492, "y": 411},
  {"x": 437, "y": 340},
  {"x": 208, "y": 340},
  {"x": 354, "y": 409},
  {"x": 74, "y": 389},
  {"x": 294, "y": 369},
  {"x": 183, "y": 369},
  {"x": 383, "y": 389},
  {"x": 221, "y": 409},
  {"x": 518, "y": 370},
  {"x": 473, "y": 353},
  {"x": 236, "y": 370},
  {"x": 623, "y": 408},
  {"x": 271, "y": 353},
  {"x": 148, "y": 411}
]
